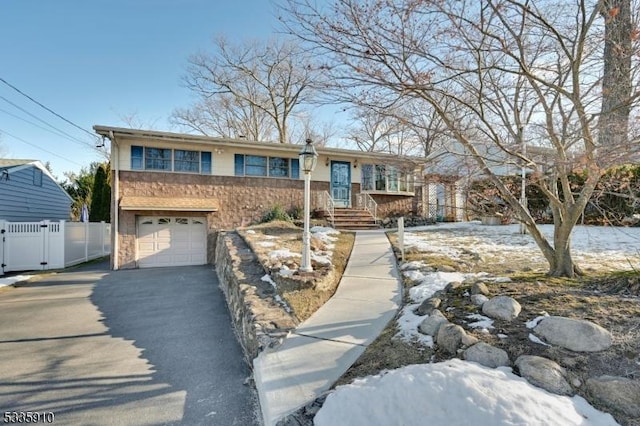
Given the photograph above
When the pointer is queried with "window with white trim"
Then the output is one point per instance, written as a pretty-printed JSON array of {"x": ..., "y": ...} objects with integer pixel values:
[{"x": 382, "y": 178}]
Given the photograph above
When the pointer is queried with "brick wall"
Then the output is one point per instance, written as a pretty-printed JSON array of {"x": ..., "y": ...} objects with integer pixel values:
[{"x": 242, "y": 200}]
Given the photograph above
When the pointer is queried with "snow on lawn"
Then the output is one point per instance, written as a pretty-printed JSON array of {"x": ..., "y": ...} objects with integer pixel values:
[
  {"x": 595, "y": 247},
  {"x": 452, "y": 393},
  {"x": 324, "y": 257}
]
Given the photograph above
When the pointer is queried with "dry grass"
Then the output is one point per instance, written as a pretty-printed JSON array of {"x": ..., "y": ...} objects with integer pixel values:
[{"x": 304, "y": 302}]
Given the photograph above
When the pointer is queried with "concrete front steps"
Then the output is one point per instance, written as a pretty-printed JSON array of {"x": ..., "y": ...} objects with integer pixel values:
[{"x": 353, "y": 219}]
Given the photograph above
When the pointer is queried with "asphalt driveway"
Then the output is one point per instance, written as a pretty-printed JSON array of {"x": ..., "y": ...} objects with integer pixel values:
[{"x": 133, "y": 347}]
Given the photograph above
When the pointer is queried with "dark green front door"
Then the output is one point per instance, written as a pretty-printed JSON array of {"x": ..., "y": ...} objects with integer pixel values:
[{"x": 341, "y": 183}]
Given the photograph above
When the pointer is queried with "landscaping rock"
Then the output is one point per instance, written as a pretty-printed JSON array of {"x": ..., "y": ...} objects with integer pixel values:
[
  {"x": 618, "y": 393},
  {"x": 486, "y": 355},
  {"x": 432, "y": 323},
  {"x": 450, "y": 337},
  {"x": 479, "y": 288},
  {"x": 573, "y": 334},
  {"x": 502, "y": 307},
  {"x": 454, "y": 285},
  {"x": 479, "y": 299},
  {"x": 544, "y": 373},
  {"x": 428, "y": 306}
]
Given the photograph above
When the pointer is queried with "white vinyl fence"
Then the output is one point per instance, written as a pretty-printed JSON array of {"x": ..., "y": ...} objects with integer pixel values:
[{"x": 29, "y": 246}]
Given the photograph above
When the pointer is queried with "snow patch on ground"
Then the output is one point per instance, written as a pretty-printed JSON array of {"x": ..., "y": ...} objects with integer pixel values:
[
  {"x": 480, "y": 321},
  {"x": 282, "y": 254},
  {"x": 535, "y": 339},
  {"x": 534, "y": 322},
  {"x": 7, "y": 281},
  {"x": 432, "y": 282},
  {"x": 408, "y": 323},
  {"x": 453, "y": 393}
]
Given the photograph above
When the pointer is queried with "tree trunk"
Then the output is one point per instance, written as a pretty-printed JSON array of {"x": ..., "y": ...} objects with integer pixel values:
[
  {"x": 562, "y": 264},
  {"x": 616, "y": 81}
]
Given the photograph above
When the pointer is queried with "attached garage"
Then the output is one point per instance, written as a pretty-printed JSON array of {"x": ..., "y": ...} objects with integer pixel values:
[
  {"x": 171, "y": 241},
  {"x": 169, "y": 231}
]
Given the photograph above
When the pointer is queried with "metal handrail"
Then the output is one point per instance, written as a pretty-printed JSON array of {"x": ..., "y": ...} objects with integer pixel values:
[
  {"x": 326, "y": 203},
  {"x": 364, "y": 200}
]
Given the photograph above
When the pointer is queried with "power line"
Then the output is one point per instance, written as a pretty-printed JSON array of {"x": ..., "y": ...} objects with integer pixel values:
[
  {"x": 46, "y": 108},
  {"x": 40, "y": 148},
  {"x": 55, "y": 129}
]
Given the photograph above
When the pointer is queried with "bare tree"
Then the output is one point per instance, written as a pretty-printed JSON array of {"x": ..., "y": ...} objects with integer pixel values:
[
  {"x": 513, "y": 81},
  {"x": 252, "y": 89}
]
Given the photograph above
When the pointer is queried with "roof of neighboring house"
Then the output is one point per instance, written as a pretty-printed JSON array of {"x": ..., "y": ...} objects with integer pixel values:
[
  {"x": 118, "y": 132},
  {"x": 11, "y": 162}
]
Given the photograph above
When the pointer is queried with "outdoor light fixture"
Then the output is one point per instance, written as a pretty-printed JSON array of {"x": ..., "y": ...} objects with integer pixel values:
[{"x": 308, "y": 158}]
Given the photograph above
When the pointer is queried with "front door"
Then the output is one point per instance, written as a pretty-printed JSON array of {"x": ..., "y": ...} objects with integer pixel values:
[{"x": 341, "y": 183}]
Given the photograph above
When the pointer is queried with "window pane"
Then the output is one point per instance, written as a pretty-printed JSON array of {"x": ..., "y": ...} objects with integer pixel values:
[
  {"x": 392, "y": 179},
  {"x": 205, "y": 158},
  {"x": 186, "y": 161},
  {"x": 137, "y": 153},
  {"x": 381, "y": 178},
  {"x": 367, "y": 177},
  {"x": 278, "y": 167},
  {"x": 403, "y": 182},
  {"x": 239, "y": 165},
  {"x": 255, "y": 165},
  {"x": 157, "y": 159},
  {"x": 295, "y": 168}
]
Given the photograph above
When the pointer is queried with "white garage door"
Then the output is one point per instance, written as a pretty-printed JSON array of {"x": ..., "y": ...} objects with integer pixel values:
[{"x": 171, "y": 241}]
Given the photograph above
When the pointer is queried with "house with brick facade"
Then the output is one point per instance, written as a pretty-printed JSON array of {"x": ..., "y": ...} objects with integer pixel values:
[{"x": 172, "y": 192}]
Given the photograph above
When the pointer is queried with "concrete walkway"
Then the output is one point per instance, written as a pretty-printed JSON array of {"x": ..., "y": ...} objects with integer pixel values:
[{"x": 322, "y": 348}]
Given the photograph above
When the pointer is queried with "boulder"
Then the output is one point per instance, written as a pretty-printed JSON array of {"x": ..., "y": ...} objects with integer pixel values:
[
  {"x": 502, "y": 307},
  {"x": 479, "y": 299},
  {"x": 432, "y": 323},
  {"x": 450, "y": 337},
  {"x": 486, "y": 355},
  {"x": 428, "y": 306},
  {"x": 479, "y": 288},
  {"x": 544, "y": 373},
  {"x": 452, "y": 286},
  {"x": 573, "y": 334},
  {"x": 619, "y": 393}
]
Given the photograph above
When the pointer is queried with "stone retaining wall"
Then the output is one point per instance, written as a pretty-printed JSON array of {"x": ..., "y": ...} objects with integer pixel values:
[{"x": 259, "y": 320}]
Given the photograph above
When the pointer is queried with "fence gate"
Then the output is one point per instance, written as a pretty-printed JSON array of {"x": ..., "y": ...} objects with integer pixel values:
[{"x": 28, "y": 246}]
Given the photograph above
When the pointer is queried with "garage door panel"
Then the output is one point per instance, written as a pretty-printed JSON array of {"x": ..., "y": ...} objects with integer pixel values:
[{"x": 171, "y": 241}]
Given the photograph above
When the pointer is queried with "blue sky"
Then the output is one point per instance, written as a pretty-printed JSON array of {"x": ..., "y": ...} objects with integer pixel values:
[{"x": 94, "y": 61}]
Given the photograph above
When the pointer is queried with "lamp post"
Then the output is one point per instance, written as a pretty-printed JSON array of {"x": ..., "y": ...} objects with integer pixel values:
[{"x": 308, "y": 158}]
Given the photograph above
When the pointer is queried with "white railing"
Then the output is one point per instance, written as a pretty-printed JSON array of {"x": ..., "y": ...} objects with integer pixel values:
[
  {"x": 364, "y": 201},
  {"x": 326, "y": 203},
  {"x": 28, "y": 246}
]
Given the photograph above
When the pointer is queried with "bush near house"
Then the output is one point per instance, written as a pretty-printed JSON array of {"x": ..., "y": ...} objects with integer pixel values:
[
  {"x": 615, "y": 201},
  {"x": 276, "y": 212}
]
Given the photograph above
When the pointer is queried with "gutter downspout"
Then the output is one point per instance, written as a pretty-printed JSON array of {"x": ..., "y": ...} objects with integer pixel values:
[{"x": 115, "y": 160}]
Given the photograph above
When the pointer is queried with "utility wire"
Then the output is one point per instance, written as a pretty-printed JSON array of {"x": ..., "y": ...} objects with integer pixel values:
[
  {"x": 55, "y": 129},
  {"x": 46, "y": 108},
  {"x": 40, "y": 148}
]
